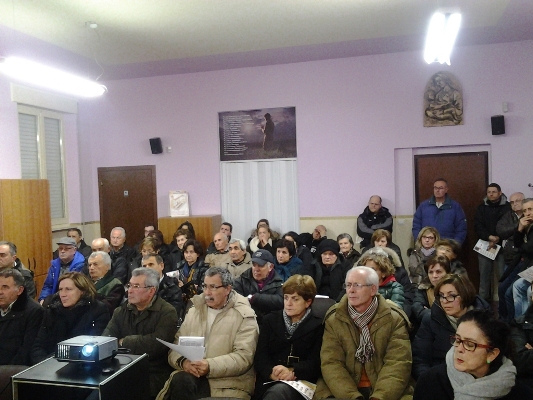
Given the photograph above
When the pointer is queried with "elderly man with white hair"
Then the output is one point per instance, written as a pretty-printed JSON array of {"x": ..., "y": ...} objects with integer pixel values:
[
  {"x": 110, "y": 290},
  {"x": 366, "y": 345}
]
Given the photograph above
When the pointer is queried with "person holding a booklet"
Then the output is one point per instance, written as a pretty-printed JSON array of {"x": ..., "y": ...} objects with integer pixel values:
[{"x": 288, "y": 350}]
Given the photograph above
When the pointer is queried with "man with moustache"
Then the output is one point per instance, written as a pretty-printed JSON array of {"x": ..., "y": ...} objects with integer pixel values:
[{"x": 227, "y": 322}]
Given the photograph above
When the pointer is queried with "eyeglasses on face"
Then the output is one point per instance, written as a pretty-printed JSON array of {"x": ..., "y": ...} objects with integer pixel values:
[
  {"x": 136, "y": 286},
  {"x": 428, "y": 237},
  {"x": 211, "y": 287},
  {"x": 449, "y": 298},
  {"x": 355, "y": 286},
  {"x": 468, "y": 345}
]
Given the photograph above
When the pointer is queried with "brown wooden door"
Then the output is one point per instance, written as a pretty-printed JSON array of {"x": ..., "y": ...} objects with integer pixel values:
[
  {"x": 128, "y": 198},
  {"x": 467, "y": 175}
]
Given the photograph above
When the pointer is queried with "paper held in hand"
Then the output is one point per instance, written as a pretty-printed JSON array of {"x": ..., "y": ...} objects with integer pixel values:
[
  {"x": 190, "y": 347},
  {"x": 483, "y": 248},
  {"x": 527, "y": 274}
]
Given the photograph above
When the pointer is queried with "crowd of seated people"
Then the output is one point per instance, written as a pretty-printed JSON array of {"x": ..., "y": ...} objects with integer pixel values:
[{"x": 390, "y": 329}]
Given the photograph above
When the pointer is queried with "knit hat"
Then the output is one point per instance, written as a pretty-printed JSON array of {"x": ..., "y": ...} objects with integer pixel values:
[{"x": 329, "y": 245}]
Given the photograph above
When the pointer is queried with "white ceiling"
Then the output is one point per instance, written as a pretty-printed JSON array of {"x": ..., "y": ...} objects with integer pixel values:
[{"x": 142, "y": 37}]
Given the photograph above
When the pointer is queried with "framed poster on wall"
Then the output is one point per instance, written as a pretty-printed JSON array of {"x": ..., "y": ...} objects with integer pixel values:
[{"x": 267, "y": 133}]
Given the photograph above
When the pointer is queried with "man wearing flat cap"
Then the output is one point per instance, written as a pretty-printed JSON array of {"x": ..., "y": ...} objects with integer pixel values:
[
  {"x": 261, "y": 284},
  {"x": 69, "y": 260}
]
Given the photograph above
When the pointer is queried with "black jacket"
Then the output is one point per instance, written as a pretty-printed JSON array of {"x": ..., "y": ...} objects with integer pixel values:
[
  {"x": 270, "y": 298},
  {"x": 18, "y": 330},
  {"x": 59, "y": 323},
  {"x": 126, "y": 251},
  {"x": 119, "y": 269},
  {"x": 29, "y": 283},
  {"x": 274, "y": 347},
  {"x": 487, "y": 216},
  {"x": 368, "y": 223},
  {"x": 522, "y": 333},
  {"x": 432, "y": 341},
  {"x": 328, "y": 281},
  {"x": 171, "y": 293},
  {"x": 505, "y": 229}
]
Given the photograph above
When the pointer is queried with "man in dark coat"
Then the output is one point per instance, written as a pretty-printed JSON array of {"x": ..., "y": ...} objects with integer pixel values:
[
  {"x": 494, "y": 206},
  {"x": 20, "y": 319},
  {"x": 8, "y": 259},
  {"x": 375, "y": 216},
  {"x": 110, "y": 290}
]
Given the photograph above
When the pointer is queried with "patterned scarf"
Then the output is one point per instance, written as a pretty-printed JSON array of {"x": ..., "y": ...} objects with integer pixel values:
[
  {"x": 366, "y": 349},
  {"x": 292, "y": 327}
]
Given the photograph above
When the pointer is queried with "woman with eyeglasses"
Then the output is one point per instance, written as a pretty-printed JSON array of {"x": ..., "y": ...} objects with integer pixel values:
[
  {"x": 423, "y": 251},
  {"x": 454, "y": 296},
  {"x": 289, "y": 342},
  {"x": 71, "y": 312},
  {"x": 477, "y": 366}
]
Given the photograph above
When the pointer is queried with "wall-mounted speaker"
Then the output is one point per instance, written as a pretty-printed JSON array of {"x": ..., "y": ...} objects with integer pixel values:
[
  {"x": 498, "y": 124},
  {"x": 156, "y": 146}
]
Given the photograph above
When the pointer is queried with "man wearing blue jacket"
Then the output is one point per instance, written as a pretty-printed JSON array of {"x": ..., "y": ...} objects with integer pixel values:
[
  {"x": 69, "y": 260},
  {"x": 442, "y": 213}
]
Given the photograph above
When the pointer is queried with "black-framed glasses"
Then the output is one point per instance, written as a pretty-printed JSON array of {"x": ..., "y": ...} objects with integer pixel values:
[
  {"x": 211, "y": 287},
  {"x": 468, "y": 345},
  {"x": 136, "y": 286},
  {"x": 355, "y": 286},
  {"x": 449, "y": 298}
]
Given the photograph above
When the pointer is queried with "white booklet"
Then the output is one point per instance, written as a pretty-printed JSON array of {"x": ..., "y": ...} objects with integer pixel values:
[
  {"x": 190, "y": 347},
  {"x": 305, "y": 388},
  {"x": 482, "y": 247},
  {"x": 527, "y": 274}
]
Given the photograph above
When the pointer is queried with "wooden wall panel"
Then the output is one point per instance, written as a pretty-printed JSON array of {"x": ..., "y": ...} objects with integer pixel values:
[{"x": 205, "y": 227}]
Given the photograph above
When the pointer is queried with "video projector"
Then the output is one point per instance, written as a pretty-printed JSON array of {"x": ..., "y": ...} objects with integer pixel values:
[{"x": 87, "y": 348}]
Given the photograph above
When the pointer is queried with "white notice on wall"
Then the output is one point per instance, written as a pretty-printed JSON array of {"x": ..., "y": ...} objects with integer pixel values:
[{"x": 179, "y": 203}]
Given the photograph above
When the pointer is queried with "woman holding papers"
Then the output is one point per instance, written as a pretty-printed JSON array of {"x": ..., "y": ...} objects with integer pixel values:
[{"x": 289, "y": 343}]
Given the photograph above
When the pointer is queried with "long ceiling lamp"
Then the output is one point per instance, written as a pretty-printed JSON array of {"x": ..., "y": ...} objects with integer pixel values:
[
  {"x": 49, "y": 78},
  {"x": 443, "y": 29}
]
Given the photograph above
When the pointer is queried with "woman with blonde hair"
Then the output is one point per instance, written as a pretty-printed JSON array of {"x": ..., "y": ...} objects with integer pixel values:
[{"x": 425, "y": 247}]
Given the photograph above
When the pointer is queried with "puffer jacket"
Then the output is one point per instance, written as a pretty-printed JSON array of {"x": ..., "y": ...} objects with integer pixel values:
[
  {"x": 390, "y": 367},
  {"x": 50, "y": 283},
  {"x": 392, "y": 290},
  {"x": 229, "y": 349}
]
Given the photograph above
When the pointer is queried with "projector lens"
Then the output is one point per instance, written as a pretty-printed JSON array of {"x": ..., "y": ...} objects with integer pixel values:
[{"x": 87, "y": 350}]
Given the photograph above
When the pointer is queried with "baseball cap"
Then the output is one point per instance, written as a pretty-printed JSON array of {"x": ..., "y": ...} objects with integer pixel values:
[{"x": 261, "y": 257}]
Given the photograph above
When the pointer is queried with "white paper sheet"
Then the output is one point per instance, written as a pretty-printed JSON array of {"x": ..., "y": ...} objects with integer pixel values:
[{"x": 193, "y": 353}]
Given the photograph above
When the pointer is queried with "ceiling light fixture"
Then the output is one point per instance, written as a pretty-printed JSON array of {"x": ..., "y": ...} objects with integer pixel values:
[
  {"x": 50, "y": 78},
  {"x": 443, "y": 29}
]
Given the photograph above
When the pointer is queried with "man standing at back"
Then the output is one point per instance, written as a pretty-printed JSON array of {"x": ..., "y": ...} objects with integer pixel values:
[
  {"x": 494, "y": 206},
  {"x": 442, "y": 213},
  {"x": 375, "y": 216}
]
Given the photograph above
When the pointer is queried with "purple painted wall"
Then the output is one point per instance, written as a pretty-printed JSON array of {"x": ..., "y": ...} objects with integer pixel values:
[{"x": 351, "y": 115}]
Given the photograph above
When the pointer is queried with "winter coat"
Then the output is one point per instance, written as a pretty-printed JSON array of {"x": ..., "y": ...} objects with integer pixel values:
[
  {"x": 304, "y": 254},
  {"x": 217, "y": 259},
  {"x": 487, "y": 216},
  {"x": 255, "y": 245},
  {"x": 505, "y": 229},
  {"x": 434, "y": 384},
  {"x": 139, "y": 331},
  {"x": 86, "y": 317},
  {"x": 194, "y": 279},
  {"x": 352, "y": 257},
  {"x": 368, "y": 222},
  {"x": 28, "y": 275},
  {"x": 392, "y": 290},
  {"x": 421, "y": 304},
  {"x": 18, "y": 330},
  {"x": 417, "y": 261},
  {"x": 229, "y": 348},
  {"x": 237, "y": 270},
  {"x": 389, "y": 369},
  {"x": 110, "y": 291},
  {"x": 170, "y": 291},
  {"x": 328, "y": 281},
  {"x": 274, "y": 347},
  {"x": 449, "y": 219},
  {"x": 292, "y": 267},
  {"x": 522, "y": 333},
  {"x": 120, "y": 269},
  {"x": 432, "y": 341},
  {"x": 50, "y": 283},
  {"x": 270, "y": 298},
  {"x": 125, "y": 251}
]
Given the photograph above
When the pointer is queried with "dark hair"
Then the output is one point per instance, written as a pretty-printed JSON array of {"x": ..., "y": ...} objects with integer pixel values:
[
  {"x": 152, "y": 242},
  {"x": 302, "y": 285},
  {"x": 287, "y": 244},
  {"x": 156, "y": 233},
  {"x": 183, "y": 232},
  {"x": 495, "y": 185},
  {"x": 150, "y": 224},
  {"x": 443, "y": 261},
  {"x": 82, "y": 282},
  {"x": 196, "y": 245},
  {"x": 227, "y": 224},
  {"x": 158, "y": 258},
  {"x": 15, "y": 274},
  {"x": 452, "y": 244},
  {"x": 12, "y": 247},
  {"x": 190, "y": 228},
  {"x": 262, "y": 220},
  {"x": 465, "y": 288},
  {"x": 496, "y": 332},
  {"x": 75, "y": 230},
  {"x": 441, "y": 180},
  {"x": 295, "y": 237},
  {"x": 378, "y": 234}
]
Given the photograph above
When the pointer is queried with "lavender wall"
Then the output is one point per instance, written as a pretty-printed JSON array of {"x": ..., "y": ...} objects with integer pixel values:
[{"x": 353, "y": 114}]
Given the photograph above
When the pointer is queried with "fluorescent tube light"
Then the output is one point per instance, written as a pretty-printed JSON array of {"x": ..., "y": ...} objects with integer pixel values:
[
  {"x": 442, "y": 32},
  {"x": 50, "y": 78}
]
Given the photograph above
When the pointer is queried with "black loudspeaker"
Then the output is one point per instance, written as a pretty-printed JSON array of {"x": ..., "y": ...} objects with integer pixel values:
[
  {"x": 156, "y": 146},
  {"x": 498, "y": 125}
]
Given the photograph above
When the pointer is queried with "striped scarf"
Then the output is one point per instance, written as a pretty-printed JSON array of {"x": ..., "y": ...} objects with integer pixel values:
[{"x": 366, "y": 349}]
